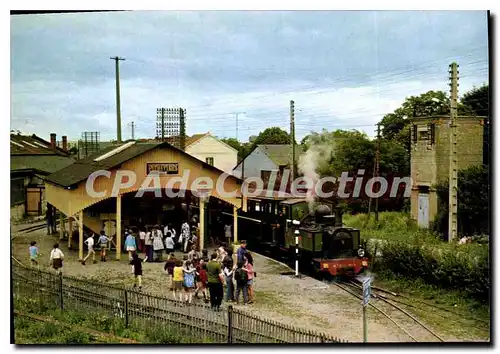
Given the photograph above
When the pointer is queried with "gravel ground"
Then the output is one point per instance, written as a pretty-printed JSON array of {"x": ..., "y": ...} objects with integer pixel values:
[{"x": 303, "y": 302}]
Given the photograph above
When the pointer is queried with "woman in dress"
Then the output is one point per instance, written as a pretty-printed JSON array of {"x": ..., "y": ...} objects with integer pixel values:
[
  {"x": 130, "y": 245},
  {"x": 189, "y": 281},
  {"x": 157, "y": 244},
  {"x": 185, "y": 236}
]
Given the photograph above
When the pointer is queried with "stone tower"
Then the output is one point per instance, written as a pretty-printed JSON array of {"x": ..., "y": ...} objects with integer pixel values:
[{"x": 430, "y": 158}]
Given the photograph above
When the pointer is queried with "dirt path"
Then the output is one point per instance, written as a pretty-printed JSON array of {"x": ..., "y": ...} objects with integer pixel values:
[{"x": 304, "y": 302}]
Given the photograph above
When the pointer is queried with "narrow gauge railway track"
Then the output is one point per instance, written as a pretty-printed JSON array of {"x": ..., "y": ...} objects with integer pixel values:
[
  {"x": 34, "y": 227},
  {"x": 450, "y": 315},
  {"x": 356, "y": 290},
  {"x": 393, "y": 301}
]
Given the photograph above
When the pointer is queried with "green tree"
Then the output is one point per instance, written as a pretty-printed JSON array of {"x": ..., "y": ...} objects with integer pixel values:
[
  {"x": 235, "y": 144},
  {"x": 394, "y": 126},
  {"x": 73, "y": 150},
  {"x": 473, "y": 202},
  {"x": 477, "y": 100},
  {"x": 477, "y": 103},
  {"x": 272, "y": 136}
]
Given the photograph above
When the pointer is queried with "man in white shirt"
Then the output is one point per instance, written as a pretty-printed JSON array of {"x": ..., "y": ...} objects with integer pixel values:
[{"x": 90, "y": 245}]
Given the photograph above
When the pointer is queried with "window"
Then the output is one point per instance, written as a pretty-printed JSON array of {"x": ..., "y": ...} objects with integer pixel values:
[
  {"x": 265, "y": 175},
  {"x": 432, "y": 134},
  {"x": 423, "y": 135},
  {"x": 210, "y": 161}
]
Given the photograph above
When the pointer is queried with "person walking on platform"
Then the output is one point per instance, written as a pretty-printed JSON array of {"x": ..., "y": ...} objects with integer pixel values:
[
  {"x": 242, "y": 251},
  {"x": 90, "y": 249},
  {"x": 227, "y": 233},
  {"x": 148, "y": 243},
  {"x": 130, "y": 245},
  {"x": 215, "y": 282},
  {"x": 185, "y": 236},
  {"x": 157, "y": 244},
  {"x": 103, "y": 241},
  {"x": 142, "y": 237},
  {"x": 136, "y": 263},
  {"x": 169, "y": 243},
  {"x": 56, "y": 258}
]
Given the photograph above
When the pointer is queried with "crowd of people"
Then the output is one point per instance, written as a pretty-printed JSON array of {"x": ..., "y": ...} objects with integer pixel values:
[{"x": 195, "y": 274}]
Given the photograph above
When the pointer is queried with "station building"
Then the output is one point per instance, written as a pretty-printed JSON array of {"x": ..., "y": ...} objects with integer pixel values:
[{"x": 140, "y": 202}]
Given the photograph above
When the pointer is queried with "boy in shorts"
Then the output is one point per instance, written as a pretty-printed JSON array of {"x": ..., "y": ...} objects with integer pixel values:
[
  {"x": 33, "y": 253},
  {"x": 103, "y": 241}
]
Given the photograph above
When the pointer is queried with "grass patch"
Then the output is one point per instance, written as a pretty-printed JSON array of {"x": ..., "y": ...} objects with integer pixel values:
[
  {"x": 143, "y": 331},
  {"x": 392, "y": 226},
  {"x": 28, "y": 331},
  {"x": 466, "y": 318}
]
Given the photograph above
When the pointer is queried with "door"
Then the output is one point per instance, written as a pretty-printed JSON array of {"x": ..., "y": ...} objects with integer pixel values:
[
  {"x": 423, "y": 211},
  {"x": 34, "y": 200}
]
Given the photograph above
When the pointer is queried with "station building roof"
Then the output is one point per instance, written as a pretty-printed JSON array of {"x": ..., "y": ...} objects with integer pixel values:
[{"x": 82, "y": 169}]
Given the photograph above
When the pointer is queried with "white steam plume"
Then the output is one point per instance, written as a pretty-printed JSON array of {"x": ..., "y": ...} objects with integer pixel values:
[{"x": 309, "y": 163}]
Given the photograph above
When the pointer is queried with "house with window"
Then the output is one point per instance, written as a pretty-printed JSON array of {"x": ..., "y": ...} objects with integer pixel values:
[
  {"x": 31, "y": 160},
  {"x": 263, "y": 160},
  {"x": 212, "y": 151},
  {"x": 430, "y": 159}
]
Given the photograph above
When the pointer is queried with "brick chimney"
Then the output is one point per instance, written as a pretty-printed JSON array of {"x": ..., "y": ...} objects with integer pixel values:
[
  {"x": 65, "y": 143},
  {"x": 53, "y": 140}
]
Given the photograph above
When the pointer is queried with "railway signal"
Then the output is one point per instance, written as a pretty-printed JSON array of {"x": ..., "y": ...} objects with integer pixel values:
[{"x": 367, "y": 292}]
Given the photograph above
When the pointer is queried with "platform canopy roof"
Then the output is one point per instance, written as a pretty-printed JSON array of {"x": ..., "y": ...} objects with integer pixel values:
[{"x": 82, "y": 169}]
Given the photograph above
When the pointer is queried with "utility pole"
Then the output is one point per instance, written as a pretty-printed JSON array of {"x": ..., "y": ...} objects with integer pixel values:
[
  {"x": 377, "y": 168},
  {"x": 375, "y": 174},
  {"x": 118, "y": 114},
  {"x": 237, "y": 116},
  {"x": 132, "y": 126},
  {"x": 292, "y": 138},
  {"x": 453, "y": 180}
]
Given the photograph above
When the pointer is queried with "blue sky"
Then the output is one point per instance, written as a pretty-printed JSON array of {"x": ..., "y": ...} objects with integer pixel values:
[{"x": 343, "y": 69}]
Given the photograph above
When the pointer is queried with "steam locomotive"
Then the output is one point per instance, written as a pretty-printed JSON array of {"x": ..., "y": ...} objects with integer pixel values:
[{"x": 325, "y": 245}]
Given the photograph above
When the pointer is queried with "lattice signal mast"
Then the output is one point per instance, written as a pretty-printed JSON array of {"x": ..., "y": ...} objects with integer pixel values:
[{"x": 171, "y": 126}]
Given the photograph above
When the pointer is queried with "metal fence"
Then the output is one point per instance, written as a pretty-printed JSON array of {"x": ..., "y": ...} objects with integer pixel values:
[{"x": 138, "y": 310}]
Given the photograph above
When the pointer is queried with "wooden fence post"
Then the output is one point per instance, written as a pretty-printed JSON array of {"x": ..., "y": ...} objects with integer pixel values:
[
  {"x": 61, "y": 291},
  {"x": 230, "y": 324},
  {"x": 126, "y": 307}
]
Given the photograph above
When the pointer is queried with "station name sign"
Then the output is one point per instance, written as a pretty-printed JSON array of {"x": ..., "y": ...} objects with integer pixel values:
[{"x": 167, "y": 168}]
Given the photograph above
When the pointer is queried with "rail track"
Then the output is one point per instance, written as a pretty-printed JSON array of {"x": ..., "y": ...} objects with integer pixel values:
[{"x": 356, "y": 290}]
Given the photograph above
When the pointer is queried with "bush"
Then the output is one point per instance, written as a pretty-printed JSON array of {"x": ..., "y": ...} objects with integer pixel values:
[
  {"x": 459, "y": 267},
  {"x": 473, "y": 202},
  {"x": 398, "y": 247}
]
